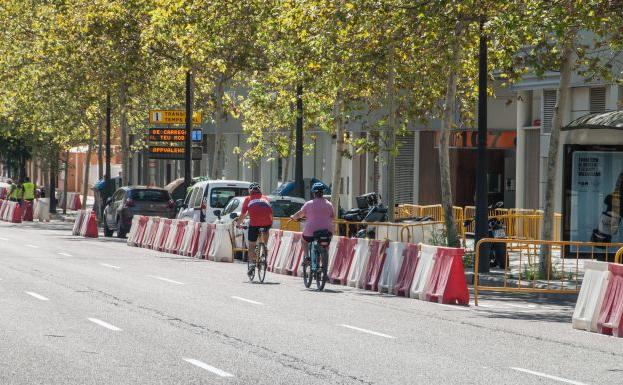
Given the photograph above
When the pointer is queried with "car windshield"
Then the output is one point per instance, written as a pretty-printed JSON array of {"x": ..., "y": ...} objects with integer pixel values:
[
  {"x": 220, "y": 196},
  {"x": 285, "y": 208},
  {"x": 150, "y": 195}
]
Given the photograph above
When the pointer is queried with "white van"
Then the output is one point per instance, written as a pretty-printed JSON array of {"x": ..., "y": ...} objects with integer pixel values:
[{"x": 205, "y": 197}]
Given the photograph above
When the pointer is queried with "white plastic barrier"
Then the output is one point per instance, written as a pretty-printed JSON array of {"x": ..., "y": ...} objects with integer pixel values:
[
  {"x": 384, "y": 232},
  {"x": 391, "y": 268},
  {"x": 80, "y": 218},
  {"x": 359, "y": 263},
  {"x": 284, "y": 250},
  {"x": 41, "y": 210},
  {"x": 221, "y": 249},
  {"x": 426, "y": 261},
  {"x": 594, "y": 285}
]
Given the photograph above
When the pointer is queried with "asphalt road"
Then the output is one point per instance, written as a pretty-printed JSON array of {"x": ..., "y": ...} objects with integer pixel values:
[{"x": 95, "y": 311}]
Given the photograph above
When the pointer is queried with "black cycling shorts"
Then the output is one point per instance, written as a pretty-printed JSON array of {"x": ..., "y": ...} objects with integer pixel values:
[
  {"x": 309, "y": 239},
  {"x": 254, "y": 232}
]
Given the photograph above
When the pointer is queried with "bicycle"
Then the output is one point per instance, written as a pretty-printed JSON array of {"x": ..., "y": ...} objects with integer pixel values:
[
  {"x": 312, "y": 270},
  {"x": 261, "y": 256}
]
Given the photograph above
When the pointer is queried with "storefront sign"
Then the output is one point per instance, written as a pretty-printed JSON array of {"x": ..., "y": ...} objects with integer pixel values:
[{"x": 469, "y": 139}]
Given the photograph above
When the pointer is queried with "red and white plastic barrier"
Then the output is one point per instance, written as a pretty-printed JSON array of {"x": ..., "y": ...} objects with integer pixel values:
[
  {"x": 404, "y": 279},
  {"x": 85, "y": 224},
  {"x": 10, "y": 211},
  {"x": 206, "y": 236},
  {"x": 446, "y": 283},
  {"x": 376, "y": 261},
  {"x": 425, "y": 263},
  {"x": 344, "y": 254}
]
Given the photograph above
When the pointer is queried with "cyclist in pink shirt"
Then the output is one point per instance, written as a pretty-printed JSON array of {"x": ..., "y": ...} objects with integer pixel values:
[{"x": 319, "y": 213}]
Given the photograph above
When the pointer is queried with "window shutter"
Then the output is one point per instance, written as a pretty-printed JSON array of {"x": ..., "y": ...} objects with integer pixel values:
[
  {"x": 404, "y": 169},
  {"x": 549, "y": 103},
  {"x": 597, "y": 97}
]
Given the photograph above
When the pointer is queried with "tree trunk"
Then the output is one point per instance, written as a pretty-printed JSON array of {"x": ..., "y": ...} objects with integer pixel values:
[
  {"x": 87, "y": 167},
  {"x": 52, "y": 182},
  {"x": 123, "y": 129},
  {"x": 391, "y": 136},
  {"x": 447, "y": 123},
  {"x": 547, "y": 231},
  {"x": 286, "y": 160},
  {"x": 100, "y": 153},
  {"x": 336, "y": 185},
  {"x": 65, "y": 182},
  {"x": 218, "y": 163}
]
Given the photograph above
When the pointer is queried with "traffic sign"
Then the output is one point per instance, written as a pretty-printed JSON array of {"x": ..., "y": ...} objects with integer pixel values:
[
  {"x": 167, "y": 135},
  {"x": 172, "y": 152},
  {"x": 172, "y": 117}
]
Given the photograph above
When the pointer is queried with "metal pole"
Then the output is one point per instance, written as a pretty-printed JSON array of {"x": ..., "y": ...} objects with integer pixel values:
[
  {"x": 107, "y": 136},
  {"x": 189, "y": 128},
  {"x": 481, "y": 164},
  {"x": 298, "y": 167}
]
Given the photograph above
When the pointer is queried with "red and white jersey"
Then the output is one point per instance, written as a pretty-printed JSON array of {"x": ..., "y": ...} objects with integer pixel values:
[{"x": 259, "y": 209}]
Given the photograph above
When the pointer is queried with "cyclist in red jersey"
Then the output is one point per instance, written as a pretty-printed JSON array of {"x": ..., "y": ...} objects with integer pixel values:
[{"x": 257, "y": 206}]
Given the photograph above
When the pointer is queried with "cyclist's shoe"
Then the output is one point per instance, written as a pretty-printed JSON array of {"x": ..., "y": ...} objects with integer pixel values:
[{"x": 251, "y": 270}]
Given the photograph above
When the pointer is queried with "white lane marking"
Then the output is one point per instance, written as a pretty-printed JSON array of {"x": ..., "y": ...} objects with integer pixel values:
[
  {"x": 209, "y": 368},
  {"x": 166, "y": 279},
  {"x": 37, "y": 296},
  {"x": 4, "y": 239},
  {"x": 246, "y": 300},
  {"x": 65, "y": 254},
  {"x": 555, "y": 378},
  {"x": 33, "y": 246},
  {"x": 104, "y": 324},
  {"x": 111, "y": 266},
  {"x": 367, "y": 331}
]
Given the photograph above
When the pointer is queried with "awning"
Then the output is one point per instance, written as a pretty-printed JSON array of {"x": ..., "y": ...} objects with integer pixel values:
[{"x": 612, "y": 120}]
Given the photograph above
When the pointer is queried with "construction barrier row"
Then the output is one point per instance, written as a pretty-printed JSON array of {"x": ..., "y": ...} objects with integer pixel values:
[
  {"x": 73, "y": 200},
  {"x": 85, "y": 224},
  {"x": 599, "y": 307},
  {"x": 10, "y": 211},
  {"x": 182, "y": 237},
  {"x": 420, "y": 271}
]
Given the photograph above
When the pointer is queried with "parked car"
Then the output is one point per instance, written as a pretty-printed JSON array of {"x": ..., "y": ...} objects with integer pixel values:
[
  {"x": 205, "y": 197},
  {"x": 135, "y": 200}
]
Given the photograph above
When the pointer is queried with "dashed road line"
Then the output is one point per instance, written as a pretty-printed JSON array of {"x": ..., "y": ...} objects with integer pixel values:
[
  {"x": 4, "y": 239},
  {"x": 37, "y": 296},
  {"x": 33, "y": 246},
  {"x": 166, "y": 279},
  {"x": 246, "y": 300},
  {"x": 367, "y": 331},
  {"x": 209, "y": 368},
  {"x": 544, "y": 375},
  {"x": 104, "y": 324},
  {"x": 111, "y": 266},
  {"x": 65, "y": 254}
]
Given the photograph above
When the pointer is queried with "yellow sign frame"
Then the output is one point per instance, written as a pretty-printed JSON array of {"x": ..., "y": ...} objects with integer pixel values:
[{"x": 172, "y": 117}]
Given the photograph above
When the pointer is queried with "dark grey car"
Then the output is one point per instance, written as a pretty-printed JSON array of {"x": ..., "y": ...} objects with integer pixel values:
[{"x": 139, "y": 200}]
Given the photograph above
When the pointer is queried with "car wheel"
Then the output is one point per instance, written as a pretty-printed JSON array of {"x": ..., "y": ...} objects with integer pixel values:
[
  {"x": 107, "y": 232},
  {"x": 121, "y": 232}
]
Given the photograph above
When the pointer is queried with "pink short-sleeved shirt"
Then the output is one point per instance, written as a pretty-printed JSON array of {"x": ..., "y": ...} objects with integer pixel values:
[{"x": 319, "y": 214}]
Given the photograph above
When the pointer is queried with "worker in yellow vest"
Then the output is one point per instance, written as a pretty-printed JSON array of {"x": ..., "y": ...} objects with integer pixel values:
[
  {"x": 16, "y": 192},
  {"x": 29, "y": 190}
]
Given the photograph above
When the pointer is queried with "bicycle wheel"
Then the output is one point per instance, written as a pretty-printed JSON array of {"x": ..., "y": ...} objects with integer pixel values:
[
  {"x": 261, "y": 262},
  {"x": 307, "y": 273},
  {"x": 321, "y": 273}
]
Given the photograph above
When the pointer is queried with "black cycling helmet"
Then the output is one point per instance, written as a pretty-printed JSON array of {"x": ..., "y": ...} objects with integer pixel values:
[{"x": 255, "y": 187}]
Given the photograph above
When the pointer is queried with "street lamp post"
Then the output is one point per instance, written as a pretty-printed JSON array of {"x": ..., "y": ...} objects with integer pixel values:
[
  {"x": 481, "y": 163},
  {"x": 189, "y": 130},
  {"x": 298, "y": 166}
]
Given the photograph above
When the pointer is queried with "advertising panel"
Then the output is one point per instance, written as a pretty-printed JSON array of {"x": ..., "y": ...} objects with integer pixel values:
[{"x": 594, "y": 177}]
